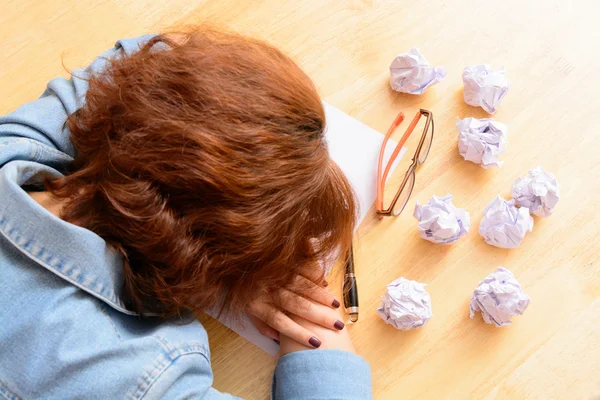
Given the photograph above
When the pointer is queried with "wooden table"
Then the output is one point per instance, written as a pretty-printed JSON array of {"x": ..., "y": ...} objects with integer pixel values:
[{"x": 550, "y": 50}]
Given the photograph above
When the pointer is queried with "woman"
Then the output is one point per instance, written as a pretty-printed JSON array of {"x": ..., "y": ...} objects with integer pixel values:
[{"x": 175, "y": 174}]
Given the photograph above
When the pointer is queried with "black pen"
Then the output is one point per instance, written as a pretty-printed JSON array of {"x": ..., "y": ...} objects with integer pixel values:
[{"x": 350, "y": 289}]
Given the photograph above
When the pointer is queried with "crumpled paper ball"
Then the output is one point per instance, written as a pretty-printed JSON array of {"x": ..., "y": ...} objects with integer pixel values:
[
  {"x": 504, "y": 225},
  {"x": 481, "y": 141},
  {"x": 411, "y": 73},
  {"x": 499, "y": 297},
  {"x": 484, "y": 87},
  {"x": 405, "y": 305},
  {"x": 538, "y": 191},
  {"x": 440, "y": 221}
]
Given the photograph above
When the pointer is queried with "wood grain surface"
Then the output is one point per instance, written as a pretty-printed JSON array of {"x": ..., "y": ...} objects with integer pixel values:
[{"x": 550, "y": 51}]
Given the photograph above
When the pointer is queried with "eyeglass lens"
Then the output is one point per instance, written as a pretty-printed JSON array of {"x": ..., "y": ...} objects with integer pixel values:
[
  {"x": 426, "y": 143},
  {"x": 405, "y": 193}
]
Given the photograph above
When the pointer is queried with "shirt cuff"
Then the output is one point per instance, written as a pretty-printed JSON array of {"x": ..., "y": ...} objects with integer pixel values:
[{"x": 321, "y": 374}]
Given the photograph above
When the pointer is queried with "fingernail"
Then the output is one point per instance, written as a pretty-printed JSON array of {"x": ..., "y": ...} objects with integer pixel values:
[
  {"x": 339, "y": 325},
  {"x": 335, "y": 303},
  {"x": 276, "y": 341},
  {"x": 314, "y": 342},
  {"x": 325, "y": 283}
]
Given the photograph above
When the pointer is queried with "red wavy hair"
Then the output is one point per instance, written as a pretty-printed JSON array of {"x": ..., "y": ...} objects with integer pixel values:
[{"x": 204, "y": 163}]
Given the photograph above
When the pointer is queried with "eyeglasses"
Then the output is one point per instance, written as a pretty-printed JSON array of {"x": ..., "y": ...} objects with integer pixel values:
[{"x": 403, "y": 194}]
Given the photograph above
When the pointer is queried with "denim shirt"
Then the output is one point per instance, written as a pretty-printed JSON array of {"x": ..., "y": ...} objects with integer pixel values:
[{"x": 64, "y": 329}]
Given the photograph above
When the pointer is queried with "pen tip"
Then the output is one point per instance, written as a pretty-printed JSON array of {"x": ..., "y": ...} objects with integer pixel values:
[{"x": 354, "y": 317}]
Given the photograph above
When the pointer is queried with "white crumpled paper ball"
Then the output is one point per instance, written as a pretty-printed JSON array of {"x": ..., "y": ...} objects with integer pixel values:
[
  {"x": 440, "y": 221},
  {"x": 538, "y": 191},
  {"x": 411, "y": 73},
  {"x": 504, "y": 225},
  {"x": 484, "y": 87},
  {"x": 499, "y": 297},
  {"x": 405, "y": 305},
  {"x": 481, "y": 141}
]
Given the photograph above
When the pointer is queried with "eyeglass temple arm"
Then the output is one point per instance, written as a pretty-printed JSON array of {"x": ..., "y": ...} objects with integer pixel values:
[
  {"x": 382, "y": 178},
  {"x": 392, "y": 128}
]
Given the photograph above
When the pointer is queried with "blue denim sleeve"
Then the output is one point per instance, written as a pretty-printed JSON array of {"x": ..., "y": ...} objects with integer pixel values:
[
  {"x": 322, "y": 374},
  {"x": 187, "y": 377},
  {"x": 38, "y": 128}
]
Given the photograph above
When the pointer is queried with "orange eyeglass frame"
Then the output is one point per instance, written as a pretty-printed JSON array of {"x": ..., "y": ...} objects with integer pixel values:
[{"x": 381, "y": 178}]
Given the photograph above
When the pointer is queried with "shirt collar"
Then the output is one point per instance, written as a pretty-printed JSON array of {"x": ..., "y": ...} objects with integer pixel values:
[{"x": 75, "y": 254}]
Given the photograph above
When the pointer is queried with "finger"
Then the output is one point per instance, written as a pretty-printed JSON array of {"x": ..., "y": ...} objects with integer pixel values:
[
  {"x": 264, "y": 329},
  {"x": 310, "y": 290},
  {"x": 285, "y": 326},
  {"x": 315, "y": 274},
  {"x": 310, "y": 311}
]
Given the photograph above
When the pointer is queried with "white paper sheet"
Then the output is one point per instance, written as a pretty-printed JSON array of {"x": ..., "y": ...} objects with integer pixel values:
[{"x": 355, "y": 148}]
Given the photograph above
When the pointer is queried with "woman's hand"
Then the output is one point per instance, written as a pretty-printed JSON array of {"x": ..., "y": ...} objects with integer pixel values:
[
  {"x": 306, "y": 300},
  {"x": 331, "y": 340}
]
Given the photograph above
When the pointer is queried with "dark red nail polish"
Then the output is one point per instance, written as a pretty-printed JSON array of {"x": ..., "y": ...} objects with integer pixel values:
[
  {"x": 339, "y": 325},
  {"x": 314, "y": 342},
  {"x": 276, "y": 341},
  {"x": 335, "y": 303}
]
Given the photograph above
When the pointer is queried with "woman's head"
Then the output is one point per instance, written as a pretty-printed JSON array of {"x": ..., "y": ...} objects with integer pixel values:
[{"x": 206, "y": 166}]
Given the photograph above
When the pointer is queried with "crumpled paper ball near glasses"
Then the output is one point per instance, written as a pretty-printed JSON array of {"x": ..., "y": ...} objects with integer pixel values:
[
  {"x": 484, "y": 87},
  {"x": 481, "y": 141},
  {"x": 440, "y": 221},
  {"x": 411, "y": 73}
]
